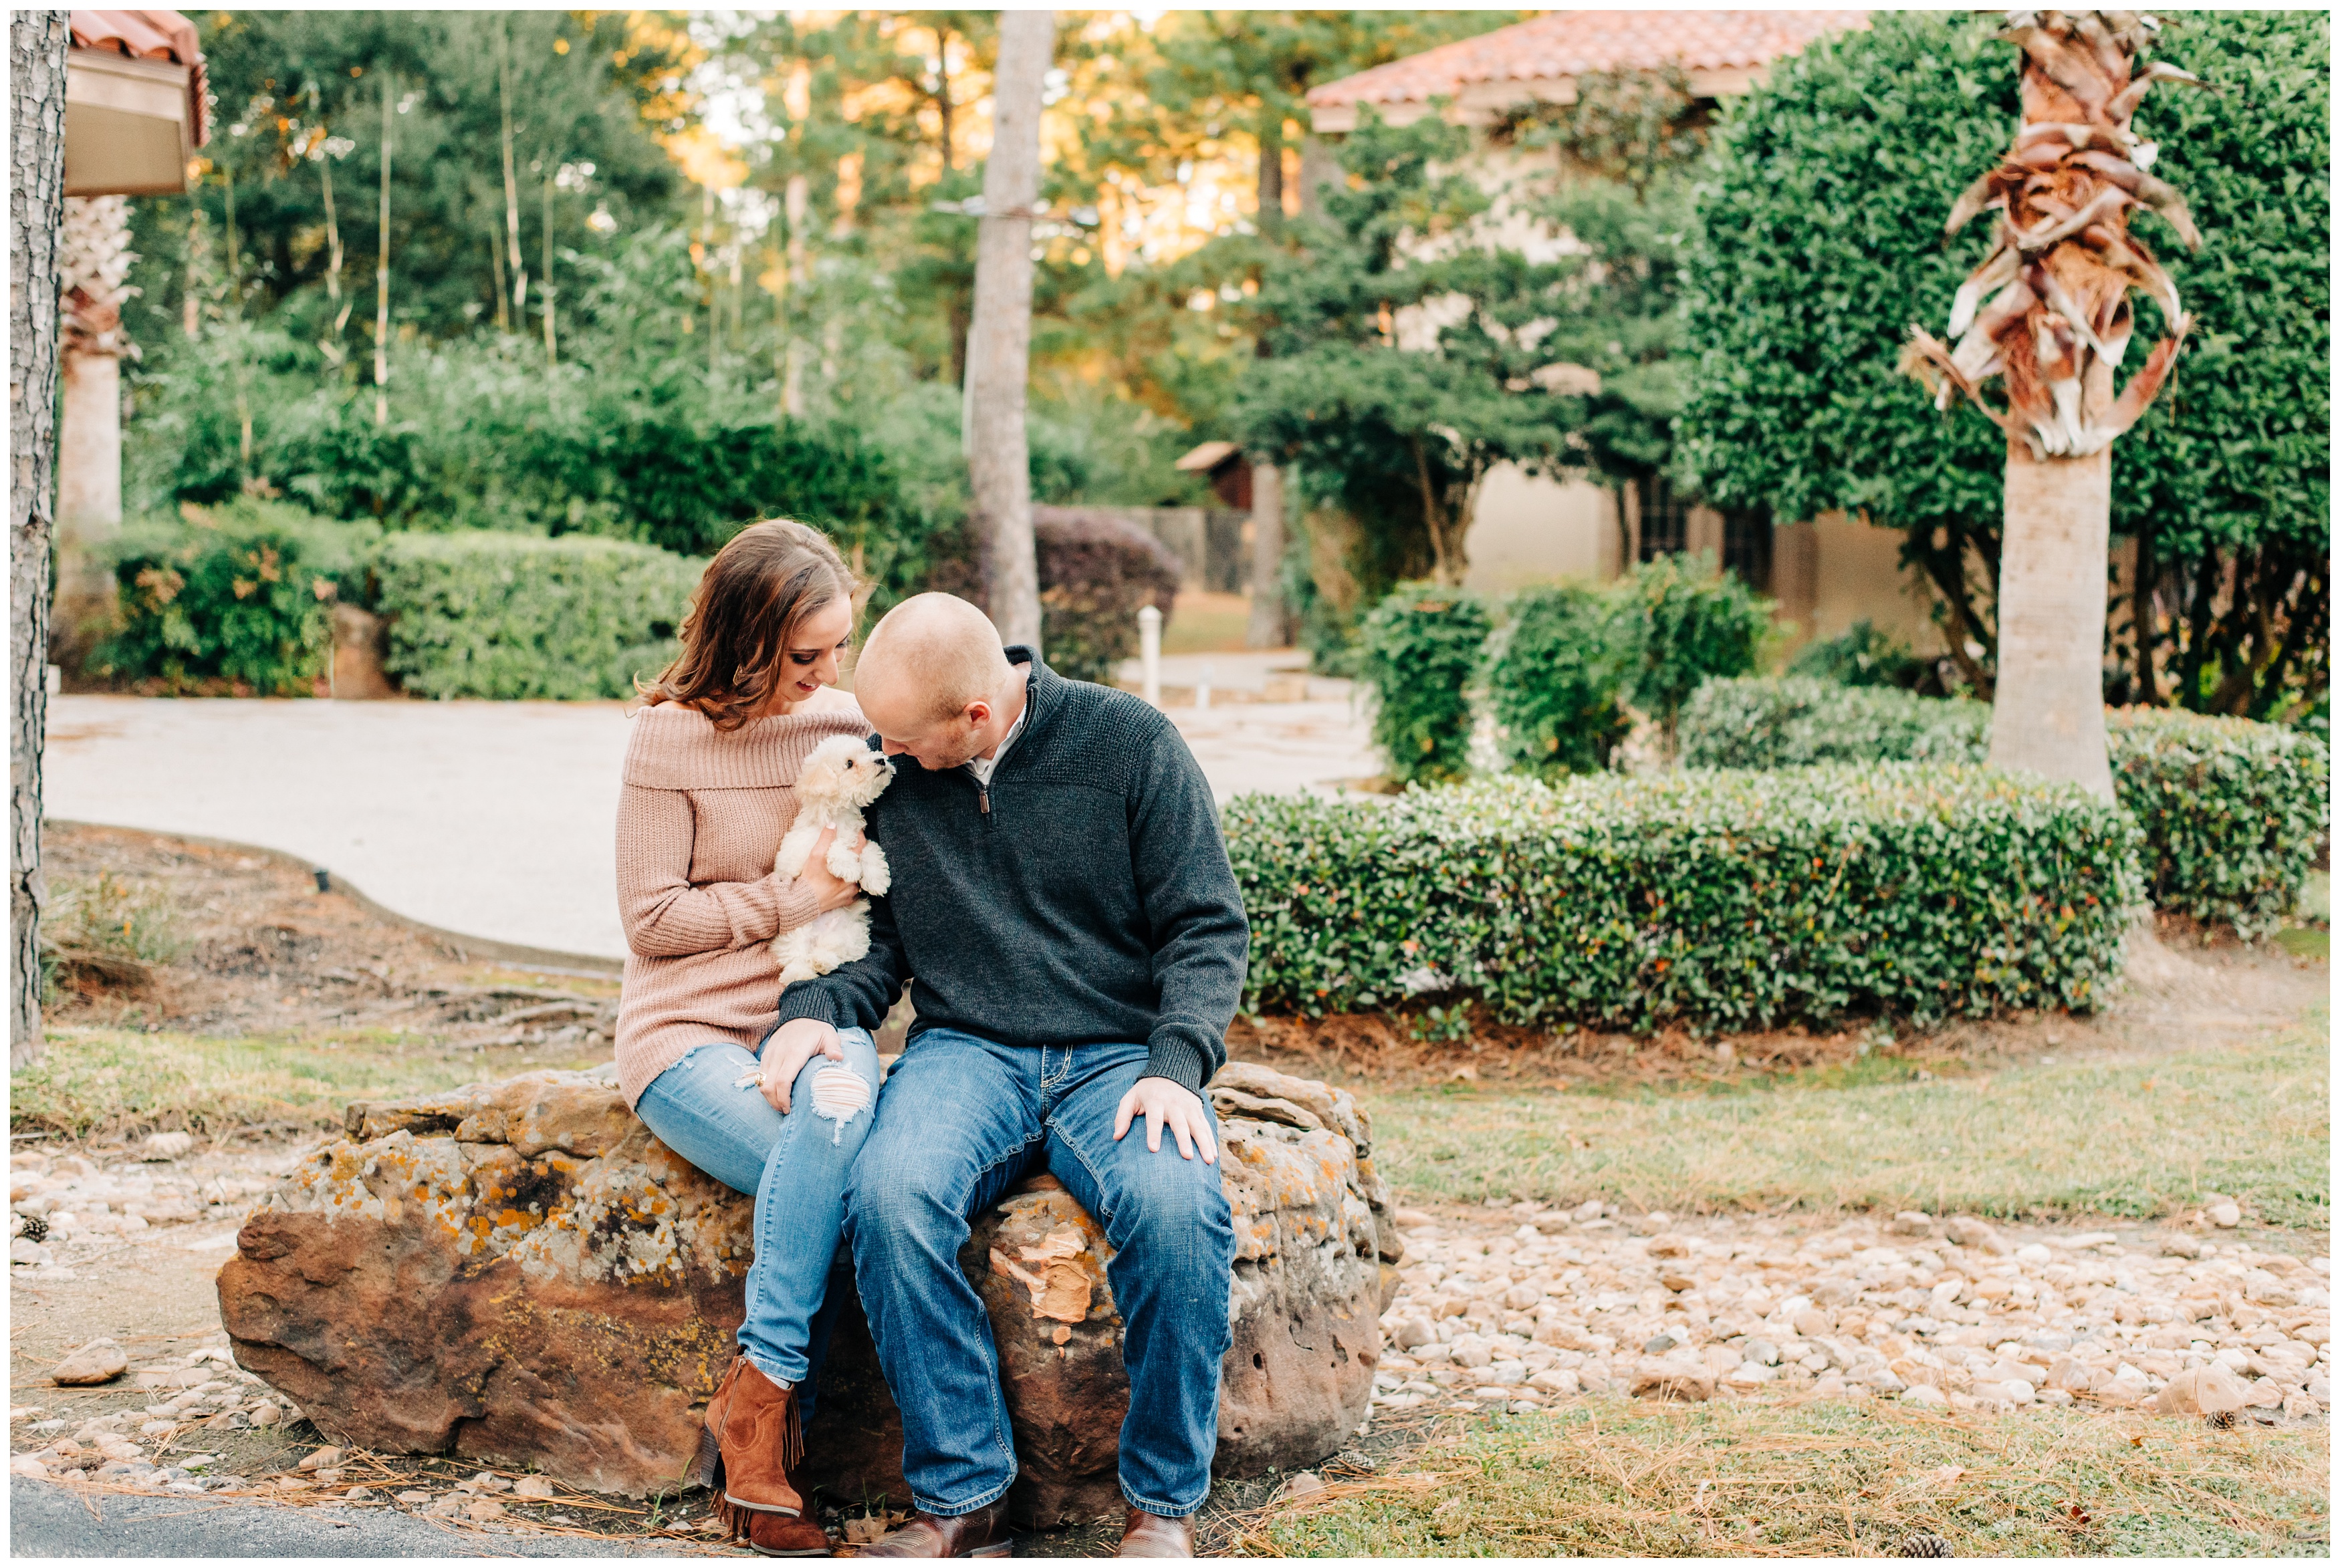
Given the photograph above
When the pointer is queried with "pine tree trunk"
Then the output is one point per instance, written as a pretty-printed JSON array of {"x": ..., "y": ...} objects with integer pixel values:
[
  {"x": 1000, "y": 343},
  {"x": 2048, "y": 715},
  {"x": 1267, "y": 629},
  {"x": 37, "y": 41}
]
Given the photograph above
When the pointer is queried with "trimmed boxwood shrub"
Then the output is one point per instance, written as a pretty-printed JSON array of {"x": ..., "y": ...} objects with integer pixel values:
[
  {"x": 1720, "y": 901},
  {"x": 1791, "y": 721},
  {"x": 2234, "y": 813},
  {"x": 1420, "y": 652},
  {"x": 229, "y": 599},
  {"x": 495, "y": 615}
]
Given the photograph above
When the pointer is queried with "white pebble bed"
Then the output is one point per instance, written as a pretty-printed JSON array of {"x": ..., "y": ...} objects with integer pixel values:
[{"x": 1518, "y": 1310}]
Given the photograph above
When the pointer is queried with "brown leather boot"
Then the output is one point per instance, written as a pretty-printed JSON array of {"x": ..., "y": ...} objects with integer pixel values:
[
  {"x": 1145, "y": 1534},
  {"x": 758, "y": 1441},
  {"x": 982, "y": 1533},
  {"x": 788, "y": 1536}
]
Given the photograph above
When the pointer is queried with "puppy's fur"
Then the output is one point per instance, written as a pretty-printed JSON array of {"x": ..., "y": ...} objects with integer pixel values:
[{"x": 838, "y": 783}]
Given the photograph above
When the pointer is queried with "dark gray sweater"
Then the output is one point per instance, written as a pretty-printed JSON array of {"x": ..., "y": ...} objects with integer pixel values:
[{"x": 1086, "y": 897}]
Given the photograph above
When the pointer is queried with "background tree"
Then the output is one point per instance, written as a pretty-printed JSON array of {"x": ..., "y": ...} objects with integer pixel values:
[
  {"x": 2048, "y": 312},
  {"x": 1826, "y": 195},
  {"x": 37, "y": 42},
  {"x": 998, "y": 374}
]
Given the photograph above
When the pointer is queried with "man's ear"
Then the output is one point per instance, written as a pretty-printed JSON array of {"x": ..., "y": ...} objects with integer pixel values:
[{"x": 978, "y": 714}]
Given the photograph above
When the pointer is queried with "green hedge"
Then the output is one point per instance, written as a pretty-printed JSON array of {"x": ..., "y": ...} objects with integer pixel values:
[
  {"x": 1791, "y": 721},
  {"x": 496, "y": 614},
  {"x": 227, "y": 600},
  {"x": 1716, "y": 900},
  {"x": 2234, "y": 813}
]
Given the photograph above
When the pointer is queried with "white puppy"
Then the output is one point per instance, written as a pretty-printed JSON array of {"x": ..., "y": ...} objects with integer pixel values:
[{"x": 838, "y": 783}]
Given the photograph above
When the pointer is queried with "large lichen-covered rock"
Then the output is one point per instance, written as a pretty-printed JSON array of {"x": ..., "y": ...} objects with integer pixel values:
[{"x": 520, "y": 1272}]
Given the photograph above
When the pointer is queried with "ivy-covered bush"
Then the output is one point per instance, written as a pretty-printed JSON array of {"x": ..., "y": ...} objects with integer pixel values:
[
  {"x": 227, "y": 600},
  {"x": 1722, "y": 900},
  {"x": 1553, "y": 674},
  {"x": 1422, "y": 647},
  {"x": 495, "y": 615},
  {"x": 1685, "y": 622},
  {"x": 1096, "y": 572},
  {"x": 1792, "y": 721},
  {"x": 2233, "y": 813}
]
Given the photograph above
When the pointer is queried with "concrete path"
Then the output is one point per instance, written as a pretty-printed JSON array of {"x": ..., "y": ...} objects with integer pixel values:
[
  {"x": 46, "y": 1520},
  {"x": 489, "y": 819}
]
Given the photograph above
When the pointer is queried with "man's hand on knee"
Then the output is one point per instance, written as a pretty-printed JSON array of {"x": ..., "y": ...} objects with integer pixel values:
[{"x": 1163, "y": 1103}]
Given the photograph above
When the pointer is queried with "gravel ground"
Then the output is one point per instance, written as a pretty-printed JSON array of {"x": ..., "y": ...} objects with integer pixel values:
[{"x": 1517, "y": 1309}]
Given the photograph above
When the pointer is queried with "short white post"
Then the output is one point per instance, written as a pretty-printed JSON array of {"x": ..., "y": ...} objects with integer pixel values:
[
  {"x": 1203, "y": 692},
  {"x": 1149, "y": 654}
]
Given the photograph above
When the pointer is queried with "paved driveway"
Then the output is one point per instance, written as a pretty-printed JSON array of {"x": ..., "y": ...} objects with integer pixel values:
[{"x": 489, "y": 819}]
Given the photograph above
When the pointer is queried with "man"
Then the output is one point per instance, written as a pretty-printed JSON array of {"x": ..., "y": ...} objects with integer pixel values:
[{"x": 1063, "y": 898}]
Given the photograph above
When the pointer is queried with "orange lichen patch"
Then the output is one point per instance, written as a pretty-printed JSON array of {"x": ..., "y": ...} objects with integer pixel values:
[{"x": 1060, "y": 1287}]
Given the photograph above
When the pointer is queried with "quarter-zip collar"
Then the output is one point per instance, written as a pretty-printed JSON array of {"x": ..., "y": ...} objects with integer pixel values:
[{"x": 1019, "y": 736}]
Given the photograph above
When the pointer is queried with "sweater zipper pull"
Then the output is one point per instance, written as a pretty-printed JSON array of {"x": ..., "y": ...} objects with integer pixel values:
[{"x": 983, "y": 798}]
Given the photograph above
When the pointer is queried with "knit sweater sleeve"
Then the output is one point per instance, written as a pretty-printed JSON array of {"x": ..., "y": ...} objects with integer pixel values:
[
  {"x": 1201, "y": 938},
  {"x": 665, "y": 915}
]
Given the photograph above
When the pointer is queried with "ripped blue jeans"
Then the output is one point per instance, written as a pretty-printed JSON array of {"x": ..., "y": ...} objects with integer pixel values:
[{"x": 796, "y": 1166}]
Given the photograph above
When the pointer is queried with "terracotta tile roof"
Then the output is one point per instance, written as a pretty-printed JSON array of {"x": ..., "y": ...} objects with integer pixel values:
[
  {"x": 1566, "y": 43},
  {"x": 151, "y": 35}
]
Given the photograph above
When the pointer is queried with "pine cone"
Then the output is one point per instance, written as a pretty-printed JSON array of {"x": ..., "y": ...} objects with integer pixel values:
[
  {"x": 36, "y": 1228},
  {"x": 2220, "y": 1420},
  {"x": 1921, "y": 1544}
]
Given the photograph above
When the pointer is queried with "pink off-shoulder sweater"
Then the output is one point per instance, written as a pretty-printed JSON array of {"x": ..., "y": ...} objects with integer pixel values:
[{"x": 698, "y": 820}]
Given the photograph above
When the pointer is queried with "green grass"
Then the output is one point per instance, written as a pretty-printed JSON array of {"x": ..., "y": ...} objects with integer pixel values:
[
  {"x": 98, "y": 1082},
  {"x": 2137, "y": 1137},
  {"x": 1824, "y": 1479}
]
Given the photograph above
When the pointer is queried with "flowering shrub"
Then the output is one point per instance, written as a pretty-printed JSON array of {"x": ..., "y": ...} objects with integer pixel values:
[{"x": 1714, "y": 900}]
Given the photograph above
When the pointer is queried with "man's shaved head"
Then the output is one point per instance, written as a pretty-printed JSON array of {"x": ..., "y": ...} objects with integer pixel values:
[
  {"x": 934, "y": 654},
  {"x": 934, "y": 681}
]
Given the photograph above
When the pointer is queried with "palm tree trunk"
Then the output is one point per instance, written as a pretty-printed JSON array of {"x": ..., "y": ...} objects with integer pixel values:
[
  {"x": 1000, "y": 344},
  {"x": 37, "y": 41},
  {"x": 2048, "y": 716}
]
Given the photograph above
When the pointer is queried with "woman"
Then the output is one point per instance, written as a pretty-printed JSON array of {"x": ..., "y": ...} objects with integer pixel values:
[{"x": 707, "y": 794}]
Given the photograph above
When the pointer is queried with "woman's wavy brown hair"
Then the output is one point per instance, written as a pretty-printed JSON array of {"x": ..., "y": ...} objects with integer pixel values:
[{"x": 756, "y": 592}]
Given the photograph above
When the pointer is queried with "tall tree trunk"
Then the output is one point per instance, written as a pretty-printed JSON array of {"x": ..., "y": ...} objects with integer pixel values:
[
  {"x": 512, "y": 177},
  {"x": 1267, "y": 628},
  {"x": 2048, "y": 716},
  {"x": 381, "y": 271},
  {"x": 797, "y": 207},
  {"x": 2047, "y": 312},
  {"x": 544, "y": 278},
  {"x": 1000, "y": 343},
  {"x": 37, "y": 41},
  {"x": 93, "y": 263},
  {"x": 1270, "y": 172}
]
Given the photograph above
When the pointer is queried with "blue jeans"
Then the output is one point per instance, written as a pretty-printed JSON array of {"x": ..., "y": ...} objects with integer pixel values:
[
  {"x": 962, "y": 1121},
  {"x": 795, "y": 1165}
]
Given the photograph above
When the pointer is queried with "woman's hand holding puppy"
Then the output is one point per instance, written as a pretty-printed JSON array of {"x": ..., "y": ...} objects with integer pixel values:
[{"x": 832, "y": 890}]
